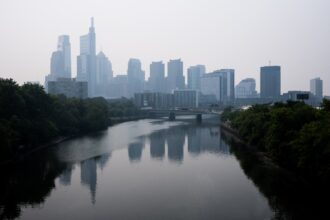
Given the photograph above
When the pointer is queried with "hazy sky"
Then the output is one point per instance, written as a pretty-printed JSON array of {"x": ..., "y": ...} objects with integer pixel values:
[{"x": 239, "y": 34}]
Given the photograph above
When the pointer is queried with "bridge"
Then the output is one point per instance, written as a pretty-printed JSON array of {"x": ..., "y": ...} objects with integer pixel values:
[{"x": 172, "y": 113}]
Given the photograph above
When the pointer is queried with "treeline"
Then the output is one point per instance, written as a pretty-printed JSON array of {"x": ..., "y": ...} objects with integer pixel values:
[
  {"x": 295, "y": 135},
  {"x": 29, "y": 117}
]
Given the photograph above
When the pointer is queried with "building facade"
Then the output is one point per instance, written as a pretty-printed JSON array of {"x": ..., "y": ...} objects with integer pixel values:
[
  {"x": 316, "y": 88},
  {"x": 194, "y": 76},
  {"x": 246, "y": 89},
  {"x": 185, "y": 98},
  {"x": 270, "y": 82},
  {"x": 104, "y": 74},
  {"x": 157, "y": 77},
  {"x": 212, "y": 85},
  {"x": 64, "y": 46},
  {"x": 68, "y": 87},
  {"x": 228, "y": 84},
  {"x": 175, "y": 78},
  {"x": 86, "y": 61},
  {"x": 135, "y": 77}
]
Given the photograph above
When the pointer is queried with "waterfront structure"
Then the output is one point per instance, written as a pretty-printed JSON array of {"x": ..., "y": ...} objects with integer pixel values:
[
  {"x": 270, "y": 82},
  {"x": 157, "y": 77},
  {"x": 185, "y": 98},
  {"x": 194, "y": 76},
  {"x": 135, "y": 77},
  {"x": 175, "y": 78},
  {"x": 316, "y": 88},
  {"x": 68, "y": 87},
  {"x": 246, "y": 89},
  {"x": 86, "y": 61},
  {"x": 104, "y": 74}
]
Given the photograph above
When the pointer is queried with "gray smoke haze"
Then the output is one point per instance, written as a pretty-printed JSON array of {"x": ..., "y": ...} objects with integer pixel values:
[{"x": 240, "y": 34}]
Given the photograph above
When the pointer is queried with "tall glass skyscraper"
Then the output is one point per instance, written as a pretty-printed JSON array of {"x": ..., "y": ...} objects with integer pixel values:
[
  {"x": 270, "y": 82},
  {"x": 86, "y": 61},
  {"x": 316, "y": 88},
  {"x": 157, "y": 76},
  {"x": 135, "y": 77},
  {"x": 175, "y": 78},
  {"x": 64, "y": 46},
  {"x": 194, "y": 76}
]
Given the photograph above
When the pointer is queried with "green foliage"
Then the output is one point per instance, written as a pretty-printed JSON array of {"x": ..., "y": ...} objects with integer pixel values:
[
  {"x": 29, "y": 117},
  {"x": 293, "y": 134}
]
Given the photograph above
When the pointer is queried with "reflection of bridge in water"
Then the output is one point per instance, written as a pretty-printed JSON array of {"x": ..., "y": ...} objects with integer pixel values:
[{"x": 172, "y": 113}]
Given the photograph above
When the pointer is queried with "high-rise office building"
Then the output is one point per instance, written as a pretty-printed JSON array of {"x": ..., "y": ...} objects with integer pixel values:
[
  {"x": 316, "y": 88},
  {"x": 270, "y": 82},
  {"x": 57, "y": 64},
  {"x": 60, "y": 62},
  {"x": 228, "y": 83},
  {"x": 86, "y": 61},
  {"x": 175, "y": 78},
  {"x": 246, "y": 89},
  {"x": 104, "y": 74},
  {"x": 157, "y": 77},
  {"x": 212, "y": 85},
  {"x": 135, "y": 77},
  {"x": 64, "y": 46},
  {"x": 194, "y": 76}
]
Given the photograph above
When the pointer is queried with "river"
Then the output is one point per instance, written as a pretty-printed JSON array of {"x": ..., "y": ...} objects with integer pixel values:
[{"x": 146, "y": 169}]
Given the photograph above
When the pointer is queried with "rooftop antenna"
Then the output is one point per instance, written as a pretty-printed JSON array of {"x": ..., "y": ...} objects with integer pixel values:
[
  {"x": 269, "y": 63},
  {"x": 92, "y": 22}
]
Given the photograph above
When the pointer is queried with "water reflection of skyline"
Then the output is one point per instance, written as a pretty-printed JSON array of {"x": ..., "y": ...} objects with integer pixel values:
[{"x": 198, "y": 140}]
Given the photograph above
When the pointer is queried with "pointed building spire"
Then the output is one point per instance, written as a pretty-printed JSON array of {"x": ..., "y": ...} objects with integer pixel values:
[{"x": 92, "y": 21}]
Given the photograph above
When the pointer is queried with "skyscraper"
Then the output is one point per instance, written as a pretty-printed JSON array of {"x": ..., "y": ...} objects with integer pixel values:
[
  {"x": 104, "y": 74},
  {"x": 316, "y": 88},
  {"x": 270, "y": 82},
  {"x": 60, "y": 62},
  {"x": 212, "y": 85},
  {"x": 175, "y": 78},
  {"x": 64, "y": 46},
  {"x": 157, "y": 76},
  {"x": 227, "y": 84},
  {"x": 86, "y": 61},
  {"x": 57, "y": 64},
  {"x": 135, "y": 77},
  {"x": 246, "y": 89},
  {"x": 61, "y": 58},
  {"x": 194, "y": 76}
]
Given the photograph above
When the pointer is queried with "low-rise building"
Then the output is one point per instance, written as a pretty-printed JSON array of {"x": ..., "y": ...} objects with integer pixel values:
[
  {"x": 68, "y": 87},
  {"x": 186, "y": 98}
]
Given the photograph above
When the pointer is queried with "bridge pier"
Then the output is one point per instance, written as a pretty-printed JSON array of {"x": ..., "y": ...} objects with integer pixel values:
[
  {"x": 199, "y": 118},
  {"x": 171, "y": 116}
]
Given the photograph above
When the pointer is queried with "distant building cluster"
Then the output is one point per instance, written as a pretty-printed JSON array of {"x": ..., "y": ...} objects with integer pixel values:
[{"x": 165, "y": 88}]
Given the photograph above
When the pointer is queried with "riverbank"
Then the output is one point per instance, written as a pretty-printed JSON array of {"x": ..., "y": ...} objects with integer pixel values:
[
  {"x": 294, "y": 135},
  {"x": 23, "y": 152},
  {"x": 233, "y": 136},
  {"x": 292, "y": 196}
]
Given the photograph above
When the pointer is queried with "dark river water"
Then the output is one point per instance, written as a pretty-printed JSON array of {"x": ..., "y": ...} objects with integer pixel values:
[{"x": 147, "y": 169}]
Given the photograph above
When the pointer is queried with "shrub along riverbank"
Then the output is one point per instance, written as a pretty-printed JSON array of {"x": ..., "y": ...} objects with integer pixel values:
[
  {"x": 294, "y": 135},
  {"x": 29, "y": 117}
]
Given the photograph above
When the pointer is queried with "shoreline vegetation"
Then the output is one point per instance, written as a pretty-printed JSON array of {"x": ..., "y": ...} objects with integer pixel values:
[
  {"x": 293, "y": 136},
  {"x": 31, "y": 119}
]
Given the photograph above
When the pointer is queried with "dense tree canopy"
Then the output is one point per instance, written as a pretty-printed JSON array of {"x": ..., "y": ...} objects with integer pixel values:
[
  {"x": 294, "y": 135},
  {"x": 30, "y": 117}
]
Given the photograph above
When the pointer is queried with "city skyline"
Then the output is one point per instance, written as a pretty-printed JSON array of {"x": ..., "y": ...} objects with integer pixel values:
[{"x": 301, "y": 51}]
